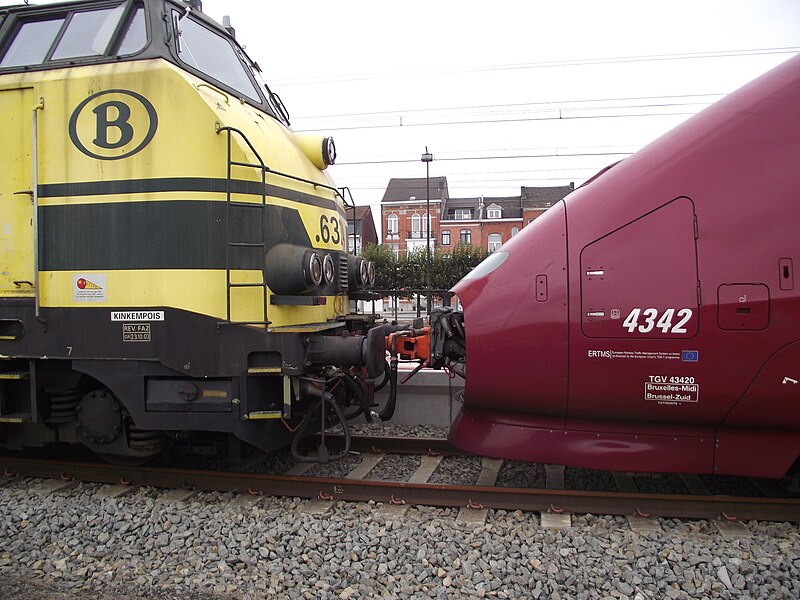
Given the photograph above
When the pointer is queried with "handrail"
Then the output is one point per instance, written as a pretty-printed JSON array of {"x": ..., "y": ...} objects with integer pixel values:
[
  {"x": 213, "y": 89},
  {"x": 264, "y": 169},
  {"x": 353, "y": 206},
  {"x": 35, "y": 177},
  {"x": 230, "y": 243},
  {"x": 267, "y": 169}
]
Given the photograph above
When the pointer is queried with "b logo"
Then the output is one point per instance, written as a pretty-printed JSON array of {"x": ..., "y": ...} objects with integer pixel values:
[{"x": 119, "y": 124}]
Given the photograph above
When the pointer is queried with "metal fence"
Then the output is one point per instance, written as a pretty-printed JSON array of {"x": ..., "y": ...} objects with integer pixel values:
[{"x": 421, "y": 301}]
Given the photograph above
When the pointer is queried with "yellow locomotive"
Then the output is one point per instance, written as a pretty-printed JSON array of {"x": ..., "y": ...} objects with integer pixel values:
[{"x": 172, "y": 254}]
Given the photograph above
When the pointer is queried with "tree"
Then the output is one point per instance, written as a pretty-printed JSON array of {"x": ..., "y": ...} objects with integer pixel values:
[
  {"x": 459, "y": 262},
  {"x": 408, "y": 271},
  {"x": 385, "y": 262}
]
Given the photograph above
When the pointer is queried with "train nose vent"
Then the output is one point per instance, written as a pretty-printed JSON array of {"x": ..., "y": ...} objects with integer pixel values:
[{"x": 343, "y": 287}]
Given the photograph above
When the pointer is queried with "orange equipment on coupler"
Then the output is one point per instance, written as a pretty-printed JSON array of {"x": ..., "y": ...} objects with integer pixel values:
[{"x": 440, "y": 345}]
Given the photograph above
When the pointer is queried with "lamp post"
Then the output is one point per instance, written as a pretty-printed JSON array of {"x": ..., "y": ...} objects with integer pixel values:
[{"x": 427, "y": 158}]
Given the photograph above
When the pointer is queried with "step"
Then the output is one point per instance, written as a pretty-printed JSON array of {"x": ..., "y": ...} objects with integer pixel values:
[
  {"x": 264, "y": 370},
  {"x": 15, "y": 375},
  {"x": 18, "y": 417}
]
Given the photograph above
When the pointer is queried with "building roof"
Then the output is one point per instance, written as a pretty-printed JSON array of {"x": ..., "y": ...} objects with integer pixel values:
[
  {"x": 360, "y": 212},
  {"x": 509, "y": 204},
  {"x": 402, "y": 189},
  {"x": 363, "y": 223},
  {"x": 544, "y": 197}
]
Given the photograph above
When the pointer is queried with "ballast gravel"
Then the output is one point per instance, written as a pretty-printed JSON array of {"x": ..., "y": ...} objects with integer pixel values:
[
  {"x": 73, "y": 545},
  {"x": 395, "y": 467},
  {"x": 457, "y": 470}
]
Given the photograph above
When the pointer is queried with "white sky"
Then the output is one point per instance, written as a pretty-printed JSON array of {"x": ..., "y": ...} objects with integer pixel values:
[{"x": 357, "y": 69}]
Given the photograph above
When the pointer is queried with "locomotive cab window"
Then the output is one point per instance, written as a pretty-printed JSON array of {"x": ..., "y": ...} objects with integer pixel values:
[
  {"x": 135, "y": 37},
  {"x": 32, "y": 42},
  {"x": 77, "y": 34},
  {"x": 212, "y": 55},
  {"x": 88, "y": 33}
]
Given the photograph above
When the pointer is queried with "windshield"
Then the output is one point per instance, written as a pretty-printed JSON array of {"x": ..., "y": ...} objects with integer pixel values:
[
  {"x": 213, "y": 55},
  {"x": 72, "y": 35}
]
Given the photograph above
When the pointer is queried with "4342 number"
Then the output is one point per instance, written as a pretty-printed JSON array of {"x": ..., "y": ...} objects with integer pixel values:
[{"x": 645, "y": 321}]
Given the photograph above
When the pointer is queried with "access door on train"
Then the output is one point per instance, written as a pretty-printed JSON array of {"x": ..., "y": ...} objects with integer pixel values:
[
  {"x": 634, "y": 358},
  {"x": 16, "y": 193}
]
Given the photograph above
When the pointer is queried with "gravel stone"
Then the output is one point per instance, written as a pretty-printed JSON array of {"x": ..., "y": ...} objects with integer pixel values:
[
  {"x": 521, "y": 475},
  {"x": 659, "y": 483},
  {"x": 588, "y": 479},
  {"x": 337, "y": 469},
  {"x": 395, "y": 467},
  {"x": 273, "y": 463},
  {"x": 359, "y": 427},
  {"x": 724, "y": 485},
  {"x": 75, "y": 546},
  {"x": 457, "y": 470}
]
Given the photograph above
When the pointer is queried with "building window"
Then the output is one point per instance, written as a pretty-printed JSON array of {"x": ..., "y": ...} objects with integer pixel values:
[
  {"x": 416, "y": 225},
  {"x": 494, "y": 212},
  {"x": 514, "y": 231},
  {"x": 495, "y": 241},
  {"x": 462, "y": 213},
  {"x": 392, "y": 225},
  {"x": 466, "y": 236},
  {"x": 445, "y": 237}
]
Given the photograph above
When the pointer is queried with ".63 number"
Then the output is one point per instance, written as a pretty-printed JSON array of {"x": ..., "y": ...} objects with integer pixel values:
[
  {"x": 652, "y": 320},
  {"x": 329, "y": 229}
]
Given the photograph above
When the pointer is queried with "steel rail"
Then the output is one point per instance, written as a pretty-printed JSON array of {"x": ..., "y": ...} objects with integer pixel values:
[{"x": 612, "y": 503}]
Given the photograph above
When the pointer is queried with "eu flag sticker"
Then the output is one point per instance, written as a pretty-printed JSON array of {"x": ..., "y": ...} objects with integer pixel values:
[{"x": 690, "y": 355}]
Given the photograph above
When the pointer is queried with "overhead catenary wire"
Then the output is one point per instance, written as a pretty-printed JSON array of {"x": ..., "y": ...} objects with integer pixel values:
[
  {"x": 440, "y": 158},
  {"x": 559, "y": 117},
  {"x": 509, "y": 105},
  {"x": 636, "y": 108},
  {"x": 316, "y": 80}
]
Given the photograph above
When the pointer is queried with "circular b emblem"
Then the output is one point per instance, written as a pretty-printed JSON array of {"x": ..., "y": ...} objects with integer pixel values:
[{"x": 113, "y": 124}]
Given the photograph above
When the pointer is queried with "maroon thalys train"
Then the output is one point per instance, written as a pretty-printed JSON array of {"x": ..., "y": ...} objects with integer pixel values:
[{"x": 650, "y": 321}]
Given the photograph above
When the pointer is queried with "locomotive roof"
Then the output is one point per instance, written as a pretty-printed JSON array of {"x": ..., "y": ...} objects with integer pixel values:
[{"x": 162, "y": 22}]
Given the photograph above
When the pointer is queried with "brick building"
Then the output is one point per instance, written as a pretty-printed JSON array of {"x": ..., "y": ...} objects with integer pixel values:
[
  {"x": 360, "y": 228},
  {"x": 404, "y": 209},
  {"x": 485, "y": 222}
]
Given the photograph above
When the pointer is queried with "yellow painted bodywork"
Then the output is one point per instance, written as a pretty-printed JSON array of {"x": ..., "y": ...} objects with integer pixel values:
[
  {"x": 16, "y": 193},
  {"x": 186, "y": 144}
]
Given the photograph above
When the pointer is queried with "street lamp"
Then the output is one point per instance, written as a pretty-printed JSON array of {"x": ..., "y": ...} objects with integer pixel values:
[{"x": 427, "y": 158}]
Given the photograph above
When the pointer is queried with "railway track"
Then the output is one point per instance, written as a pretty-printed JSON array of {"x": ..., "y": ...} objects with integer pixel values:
[{"x": 396, "y": 496}]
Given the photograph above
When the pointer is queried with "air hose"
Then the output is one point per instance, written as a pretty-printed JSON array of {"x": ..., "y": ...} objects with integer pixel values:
[
  {"x": 386, "y": 376},
  {"x": 388, "y": 410},
  {"x": 358, "y": 392}
]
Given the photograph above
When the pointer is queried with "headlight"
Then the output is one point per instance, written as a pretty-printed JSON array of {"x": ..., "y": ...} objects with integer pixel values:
[
  {"x": 328, "y": 272},
  {"x": 371, "y": 273},
  {"x": 293, "y": 269},
  {"x": 314, "y": 269},
  {"x": 360, "y": 273},
  {"x": 363, "y": 273}
]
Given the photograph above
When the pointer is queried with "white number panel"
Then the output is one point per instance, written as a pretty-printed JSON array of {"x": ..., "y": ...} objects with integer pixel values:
[{"x": 671, "y": 321}]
